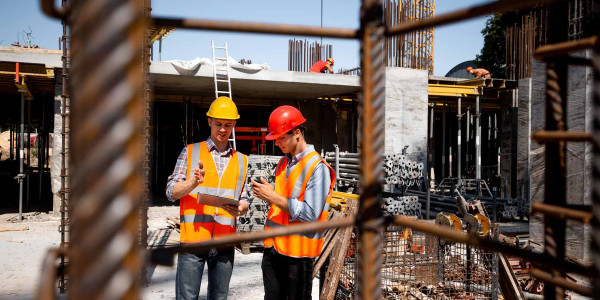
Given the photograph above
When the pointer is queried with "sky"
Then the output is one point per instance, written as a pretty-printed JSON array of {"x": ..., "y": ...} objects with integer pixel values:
[{"x": 453, "y": 43}]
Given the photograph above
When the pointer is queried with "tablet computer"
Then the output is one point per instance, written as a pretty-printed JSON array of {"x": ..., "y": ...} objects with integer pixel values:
[{"x": 215, "y": 200}]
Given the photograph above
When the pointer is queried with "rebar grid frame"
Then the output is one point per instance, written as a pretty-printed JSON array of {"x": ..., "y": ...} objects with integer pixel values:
[{"x": 107, "y": 91}]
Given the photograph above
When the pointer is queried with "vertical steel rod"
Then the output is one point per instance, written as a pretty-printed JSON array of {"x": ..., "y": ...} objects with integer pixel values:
[
  {"x": 458, "y": 140},
  {"x": 595, "y": 238},
  {"x": 107, "y": 155},
  {"x": 372, "y": 103},
  {"x": 444, "y": 141},
  {"x": 477, "y": 116},
  {"x": 21, "y": 156}
]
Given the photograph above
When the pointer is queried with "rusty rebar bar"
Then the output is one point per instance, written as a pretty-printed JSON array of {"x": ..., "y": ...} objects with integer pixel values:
[
  {"x": 165, "y": 255},
  {"x": 595, "y": 238},
  {"x": 64, "y": 171},
  {"x": 464, "y": 14},
  {"x": 555, "y": 184},
  {"x": 548, "y": 278},
  {"x": 105, "y": 258},
  {"x": 544, "y": 136},
  {"x": 561, "y": 213},
  {"x": 252, "y": 27},
  {"x": 372, "y": 109},
  {"x": 147, "y": 137},
  {"x": 564, "y": 48}
]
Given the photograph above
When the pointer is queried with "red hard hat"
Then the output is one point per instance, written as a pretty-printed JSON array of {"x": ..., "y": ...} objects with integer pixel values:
[
  {"x": 469, "y": 69},
  {"x": 282, "y": 120}
]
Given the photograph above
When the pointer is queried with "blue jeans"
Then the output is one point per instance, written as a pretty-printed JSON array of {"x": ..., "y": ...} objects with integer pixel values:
[{"x": 189, "y": 274}]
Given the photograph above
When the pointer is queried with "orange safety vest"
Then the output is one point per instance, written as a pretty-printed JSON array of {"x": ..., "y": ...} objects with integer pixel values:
[
  {"x": 294, "y": 186},
  {"x": 201, "y": 222}
]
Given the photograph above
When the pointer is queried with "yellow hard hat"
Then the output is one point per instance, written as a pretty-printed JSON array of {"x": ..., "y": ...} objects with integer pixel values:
[{"x": 223, "y": 108}]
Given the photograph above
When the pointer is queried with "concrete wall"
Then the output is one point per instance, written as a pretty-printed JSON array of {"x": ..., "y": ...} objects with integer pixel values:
[
  {"x": 578, "y": 154},
  {"x": 406, "y": 112},
  {"x": 55, "y": 160}
]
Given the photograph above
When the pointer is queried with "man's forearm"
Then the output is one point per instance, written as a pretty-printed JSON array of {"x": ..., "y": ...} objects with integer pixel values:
[
  {"x": 183, "y": 188},
  {"x": 280, "y": 201}
]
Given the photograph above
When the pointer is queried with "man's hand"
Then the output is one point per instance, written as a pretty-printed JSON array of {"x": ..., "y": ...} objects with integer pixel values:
[
  {"x": 198, "y": 174},
  {"x": 262, "y": 190},
  {"x": 236, "y": 211}
]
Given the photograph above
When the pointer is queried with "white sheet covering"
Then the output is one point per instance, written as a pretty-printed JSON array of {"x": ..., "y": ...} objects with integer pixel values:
[{"x": 187, "y": 66}]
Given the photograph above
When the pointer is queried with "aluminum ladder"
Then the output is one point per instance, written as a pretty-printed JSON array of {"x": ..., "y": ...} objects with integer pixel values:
[{"x": 221, "y": 78}]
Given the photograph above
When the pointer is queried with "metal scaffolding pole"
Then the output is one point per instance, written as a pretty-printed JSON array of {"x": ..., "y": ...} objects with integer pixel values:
[
  {"x": 444, "y": 141},
  {"x": 458, "y": 140},
  {"x": 477, "y": 115},
  {"x": 21, "y": 175}
]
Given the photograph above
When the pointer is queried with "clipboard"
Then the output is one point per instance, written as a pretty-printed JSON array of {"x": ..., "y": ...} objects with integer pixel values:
[{"x": 215, "y": 200}]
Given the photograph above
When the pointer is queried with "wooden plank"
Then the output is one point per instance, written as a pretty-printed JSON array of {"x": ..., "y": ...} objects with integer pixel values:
[
  {"x": 15, "y": 228},
  {"x": 338, "y": 256}
]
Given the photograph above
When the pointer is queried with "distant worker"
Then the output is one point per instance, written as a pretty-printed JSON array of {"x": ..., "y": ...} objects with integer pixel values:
[
  {"x": 479, "y": 72},
  {"x": 320, "y": 66},
  {"x": 210, "y": 167},
  {"x": 303, "y": 185}
]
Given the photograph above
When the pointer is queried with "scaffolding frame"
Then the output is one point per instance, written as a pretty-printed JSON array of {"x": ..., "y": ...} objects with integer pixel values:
[{"x": 107, "y": 153}]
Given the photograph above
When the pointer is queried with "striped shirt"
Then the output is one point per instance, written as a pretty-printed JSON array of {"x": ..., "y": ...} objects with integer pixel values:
[
  {"x": 180, "y": 172},
  {"x": 316, "y": 192}
]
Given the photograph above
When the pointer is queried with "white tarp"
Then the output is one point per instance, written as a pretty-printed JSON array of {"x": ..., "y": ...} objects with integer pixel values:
[{"x": 187, "y": 66}]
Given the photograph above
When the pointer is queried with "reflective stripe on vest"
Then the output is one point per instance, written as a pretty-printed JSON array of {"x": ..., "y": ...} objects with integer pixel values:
[
  {"x": 201, "y": 222},
  {"x": 293, "y": 185}
]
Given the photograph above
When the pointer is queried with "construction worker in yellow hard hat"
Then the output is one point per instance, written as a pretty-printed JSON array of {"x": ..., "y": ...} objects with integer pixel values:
[
  {"x": 321, "y": 66},
  {"x": 213, "y": 168}
]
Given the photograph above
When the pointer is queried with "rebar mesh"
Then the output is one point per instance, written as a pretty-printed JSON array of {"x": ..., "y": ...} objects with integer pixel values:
[{"x": 418, "y": 266}]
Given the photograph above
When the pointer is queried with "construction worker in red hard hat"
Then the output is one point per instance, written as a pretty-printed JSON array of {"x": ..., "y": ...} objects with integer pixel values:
[
  {"x": 211, "y": 167},
  {"x": 302, "y": 193},
  {"x": 321, "y": 66},
  {"x": 479, "y": 72}
]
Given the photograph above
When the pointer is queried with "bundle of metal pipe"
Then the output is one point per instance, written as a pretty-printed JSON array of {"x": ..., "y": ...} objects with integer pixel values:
[
  {"x": 347, "y": 168},
  {"x": 399, "y": 169},
  {"x": 402, "y": 205},
  {"x": 506, "y": 208},
  {"x": 259, "y": 166}
]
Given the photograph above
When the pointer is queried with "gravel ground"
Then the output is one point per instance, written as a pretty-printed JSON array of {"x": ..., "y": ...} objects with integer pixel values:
[{"x": 22, "y": 252}]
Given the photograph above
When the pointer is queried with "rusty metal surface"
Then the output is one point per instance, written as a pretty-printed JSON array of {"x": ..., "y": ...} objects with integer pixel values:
[
  {"x": 266, "y": 28},
  {"x": 147, "y": 136},
  {"x": 595, "y": 238},
  {"x": 165, "y": 255},
  {"x": 371, "y": 109},
  {"x": 64, "y": 170},
  {"x": 46, "y": 287},
  {"x": 302, "y": 54},
  {"x": 555, "y": 184},
  {"x": 561, "y": 213},
  {"x": 564, "y": 48},
  {"x": 466, "y": 13},
  {"x": 561, "y": 282},
  {"x": 106, "y": 148},
  {"x": 543, "y": 136}
]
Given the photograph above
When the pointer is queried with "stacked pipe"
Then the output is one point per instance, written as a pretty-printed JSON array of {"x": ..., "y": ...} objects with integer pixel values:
[
  {"x": 399, "y": 169},
  {"x": 506, "y": 208},
  {"x": 402, "y": 205},
  {"x": 258, "y": 166},
  {"x": 347, "y": 169}
]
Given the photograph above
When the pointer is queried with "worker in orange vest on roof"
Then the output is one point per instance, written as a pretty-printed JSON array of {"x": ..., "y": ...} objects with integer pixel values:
[
  {"x": 302, "y": 193},
  {"x": 211, "y": 167},
  {"x": 479, "y": 72},
  {"x": 321, "y": 66}
]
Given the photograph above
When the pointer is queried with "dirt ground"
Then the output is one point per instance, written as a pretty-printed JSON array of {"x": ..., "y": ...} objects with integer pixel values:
[{"x": 21, "y": 254}]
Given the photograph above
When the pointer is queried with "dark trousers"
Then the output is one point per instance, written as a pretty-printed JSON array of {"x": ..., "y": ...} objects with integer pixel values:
[{"x": 286, "y": 278}]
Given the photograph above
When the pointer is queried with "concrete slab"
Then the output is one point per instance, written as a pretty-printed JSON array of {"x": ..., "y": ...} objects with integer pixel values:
[
  {"x": 263, "y": 84},
  {"x": 47, "y": 57}
]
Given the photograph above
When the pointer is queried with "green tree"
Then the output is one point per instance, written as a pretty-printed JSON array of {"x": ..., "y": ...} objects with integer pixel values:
[{"x": 492, "y": 56}]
